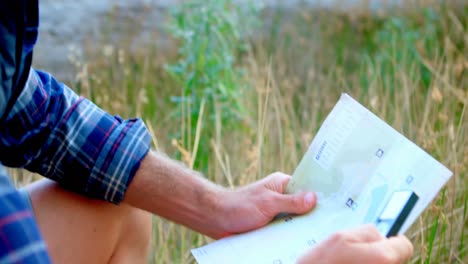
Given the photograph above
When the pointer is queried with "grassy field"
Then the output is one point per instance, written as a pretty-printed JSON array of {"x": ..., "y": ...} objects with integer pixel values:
[{"x": 240, "y": 99}]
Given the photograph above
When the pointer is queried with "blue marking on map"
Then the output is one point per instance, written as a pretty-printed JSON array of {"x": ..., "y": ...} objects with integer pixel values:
[
  {"x": 317, "y": 157},
  {"x": 377, "y": 196}
]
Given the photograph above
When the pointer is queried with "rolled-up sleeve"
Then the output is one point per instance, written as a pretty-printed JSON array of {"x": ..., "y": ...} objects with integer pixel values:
[{"x": 54, "y": 132}]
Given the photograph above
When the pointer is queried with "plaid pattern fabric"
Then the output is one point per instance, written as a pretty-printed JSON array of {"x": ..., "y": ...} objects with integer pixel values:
[
  {"x": 52, "y": 131},
  {"x": 46, "y": 128},
  {"x": 19, "y": 21},
  {"x": 20, "y": 241}
]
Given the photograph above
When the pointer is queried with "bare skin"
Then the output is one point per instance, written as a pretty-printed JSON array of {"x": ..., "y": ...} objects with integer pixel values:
[
  {"x": 98, "y": 232},
  {"x": 164, "y": 187},
  {"x": 80, "y": 230},
  {"x": 362, "y": 245}
]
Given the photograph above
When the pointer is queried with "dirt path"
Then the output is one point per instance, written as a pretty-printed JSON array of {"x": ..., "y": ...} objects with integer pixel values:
[{"x": 66, "y": 24}]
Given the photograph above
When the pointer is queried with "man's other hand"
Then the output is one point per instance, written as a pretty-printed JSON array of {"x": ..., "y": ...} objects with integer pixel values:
[
  {"x": 362, "y": 245},
  {"x": 253, "y": 206}
]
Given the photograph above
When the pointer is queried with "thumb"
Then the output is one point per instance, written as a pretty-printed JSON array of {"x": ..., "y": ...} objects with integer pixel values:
[{"x": 298, "y": 203}]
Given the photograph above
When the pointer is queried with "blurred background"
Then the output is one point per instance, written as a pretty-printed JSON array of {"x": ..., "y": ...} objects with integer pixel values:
[{"x": 238, "y": 89}]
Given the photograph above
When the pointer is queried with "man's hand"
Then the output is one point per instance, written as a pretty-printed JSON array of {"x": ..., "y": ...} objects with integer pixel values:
[
  {"x": 255, "y": 205},
  {"x": 362, "y": 245},
  {"x": 167, "y": 188}
]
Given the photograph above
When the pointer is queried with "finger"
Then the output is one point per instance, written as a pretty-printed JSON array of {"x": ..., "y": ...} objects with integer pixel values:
[
  {"x": 364, "y": 233},
  {"x": 396, "y": 249},
  {"x": 298, "y": 203},
  {"x": 285, "y": 180},
  {"x": 277, "y": 182},
  {"x": 402, "y": 246},
  {"x": 312, "y": 256}
]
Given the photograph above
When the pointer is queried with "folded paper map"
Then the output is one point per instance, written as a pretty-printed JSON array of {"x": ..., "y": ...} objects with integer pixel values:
[{"x": 362, "y": 170}]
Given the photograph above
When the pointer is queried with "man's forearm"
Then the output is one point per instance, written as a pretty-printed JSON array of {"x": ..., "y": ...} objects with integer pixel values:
[{"x": 169, "y": 189}]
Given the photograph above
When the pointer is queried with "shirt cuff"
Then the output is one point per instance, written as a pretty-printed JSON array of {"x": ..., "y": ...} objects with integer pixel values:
[
  {"x": 67, "y": 138},
  {"x": 105, "y": 150}
]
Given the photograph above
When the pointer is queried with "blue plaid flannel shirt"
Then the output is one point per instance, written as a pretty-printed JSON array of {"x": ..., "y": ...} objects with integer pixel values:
[{"x": 46, "y": 128}]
